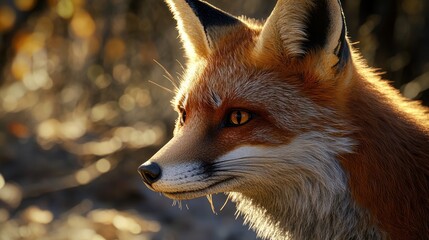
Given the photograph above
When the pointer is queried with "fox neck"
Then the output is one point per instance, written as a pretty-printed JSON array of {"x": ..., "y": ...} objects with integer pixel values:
[
  {"x": 286, "y": 214},
  {"x": 390, "y": 165}
]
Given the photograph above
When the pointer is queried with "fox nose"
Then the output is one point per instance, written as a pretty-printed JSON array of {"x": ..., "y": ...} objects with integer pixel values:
[{"x": 150, "y": 172}]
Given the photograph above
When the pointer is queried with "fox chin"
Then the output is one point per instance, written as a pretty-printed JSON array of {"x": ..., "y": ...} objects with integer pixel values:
[{"x": 286, "y": 118}]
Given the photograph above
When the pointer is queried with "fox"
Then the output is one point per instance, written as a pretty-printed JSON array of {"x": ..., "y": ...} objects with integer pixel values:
[{"x": 286, "y": 118}]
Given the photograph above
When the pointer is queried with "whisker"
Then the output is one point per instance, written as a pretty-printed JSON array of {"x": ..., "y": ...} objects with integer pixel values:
[
  {"x": 224, "y": 204},
  {"x": 183, "y": 68},
  {"x": 245, "y": 160},
  {"x": 170, "y": 80},
  {"x": 165, "y": 88},
  {"x": 232, "y": 172},
  {"x": 210, "y": 199},
  {"x": 163, "y": 68},
  {"x": 168, "y": 76},
  {"x": 243, "y": 166}
]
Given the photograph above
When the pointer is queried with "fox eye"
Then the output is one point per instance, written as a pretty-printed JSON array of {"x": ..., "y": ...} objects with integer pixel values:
[
  {"x": 238, "y": 118},
  {"x": 183, "y": 118}
]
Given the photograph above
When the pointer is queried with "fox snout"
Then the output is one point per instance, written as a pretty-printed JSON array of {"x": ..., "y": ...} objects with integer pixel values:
[{"x": 150, "y": 172}]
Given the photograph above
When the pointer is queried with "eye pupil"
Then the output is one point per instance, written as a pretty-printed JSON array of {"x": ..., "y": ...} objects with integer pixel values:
[{"x": 238, "y": 118}]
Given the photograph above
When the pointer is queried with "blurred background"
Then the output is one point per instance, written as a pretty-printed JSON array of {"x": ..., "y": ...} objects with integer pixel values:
[{"x": 79, "y": 114}]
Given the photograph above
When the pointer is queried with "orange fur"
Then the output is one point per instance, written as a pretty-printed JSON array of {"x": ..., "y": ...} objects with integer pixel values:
[
  {"x": 389, "y": 171},
  {"x": 346, "y": 116}
]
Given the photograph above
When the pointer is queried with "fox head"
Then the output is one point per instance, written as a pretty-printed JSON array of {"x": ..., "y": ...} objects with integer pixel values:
[
  {"x": 259, "y": 104},
  {"x": 284, "y": 116}
]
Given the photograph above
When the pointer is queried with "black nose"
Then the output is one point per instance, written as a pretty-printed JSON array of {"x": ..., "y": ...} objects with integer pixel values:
[{"x": 150, "y": 172}]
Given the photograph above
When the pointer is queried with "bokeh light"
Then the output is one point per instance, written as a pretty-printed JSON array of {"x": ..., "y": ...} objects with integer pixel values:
[{"x": 7, "y": 18}]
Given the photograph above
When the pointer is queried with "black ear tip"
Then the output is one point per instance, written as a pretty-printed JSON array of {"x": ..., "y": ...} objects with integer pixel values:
[
  {"x": 318, "y": 22},
  {"x": 342, "y": 51},
  {"x": 209, "y": 15}
]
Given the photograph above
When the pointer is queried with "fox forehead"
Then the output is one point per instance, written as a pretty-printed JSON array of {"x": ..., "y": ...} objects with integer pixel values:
[
  {"x": 232, "y": 83},
  {"x": 213, "y": 84},
  {"x": 229, "y": 84}
]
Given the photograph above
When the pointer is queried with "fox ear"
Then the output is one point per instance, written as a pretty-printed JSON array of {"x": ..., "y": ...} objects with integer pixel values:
[
  {"x": 296, "y": 28},
  {"x": 201, "y": 26}
]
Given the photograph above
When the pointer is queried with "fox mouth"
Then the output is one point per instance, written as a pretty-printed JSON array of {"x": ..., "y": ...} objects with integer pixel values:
[{"x": 216, "y": 187}]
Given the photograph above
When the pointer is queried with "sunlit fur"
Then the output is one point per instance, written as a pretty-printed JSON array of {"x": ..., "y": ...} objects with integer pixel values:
[
  {"x": 290, "y": 16},
  {"x": 328, "y": 153}
]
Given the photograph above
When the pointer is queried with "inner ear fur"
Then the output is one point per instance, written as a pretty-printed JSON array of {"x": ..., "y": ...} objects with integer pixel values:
[
  {"x": 201, "y": 26},
  {"x": 297, "y": 28}
]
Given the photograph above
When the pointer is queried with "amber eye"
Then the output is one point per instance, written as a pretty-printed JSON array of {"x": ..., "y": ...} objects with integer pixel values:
[{"x": 238, "y": 117}]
